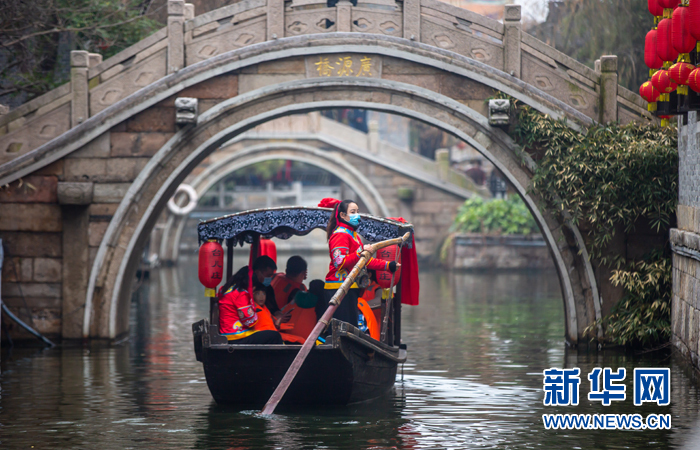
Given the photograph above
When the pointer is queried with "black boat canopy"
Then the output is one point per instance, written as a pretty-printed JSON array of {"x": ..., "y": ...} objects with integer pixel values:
[{"x": 285, "y": 222}]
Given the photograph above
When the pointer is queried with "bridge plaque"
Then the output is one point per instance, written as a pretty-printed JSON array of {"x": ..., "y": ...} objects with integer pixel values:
[{"x": 344, "y": 65}]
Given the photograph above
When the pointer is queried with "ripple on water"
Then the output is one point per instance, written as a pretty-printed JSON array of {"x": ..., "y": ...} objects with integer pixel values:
[{"x": 477, "y": 346}]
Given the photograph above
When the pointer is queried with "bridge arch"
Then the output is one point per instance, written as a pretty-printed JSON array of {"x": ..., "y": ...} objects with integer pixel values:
[
  {"x": 293, "y": 151},
  {"x": 167, "y": 169},
  {"x": 450, "y": 96}
]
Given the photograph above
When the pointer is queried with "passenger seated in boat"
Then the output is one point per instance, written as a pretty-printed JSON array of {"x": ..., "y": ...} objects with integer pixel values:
[
  {"x": 242, "y": 319},
  {"x": 303, "y": 311},
  {"x": 287, "y": 284},
  {"x": 264, "y": 269}
]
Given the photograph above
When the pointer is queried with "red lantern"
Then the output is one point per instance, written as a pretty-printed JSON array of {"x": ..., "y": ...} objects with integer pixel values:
[
  {"x": 651, "y": 58},
  {"x": 668, "y": 4},
  {"x": 655, "y": 8},
  {"x": 649, "y": 92},
  {"x": 664, "y": 45},
  {"x": 694, "y": 18},
  {"x": 694, "y": 80},
  {"x": 663, "y": 83},
  {"x": 384, "y": 276},
  {"x": 681, "y": 39},
  {"x": 211, "y": 266},
  {"x": 680, "y": 71}
]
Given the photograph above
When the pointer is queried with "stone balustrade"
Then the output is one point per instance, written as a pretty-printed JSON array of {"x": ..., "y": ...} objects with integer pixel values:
[{"x": 187, "y": 40}]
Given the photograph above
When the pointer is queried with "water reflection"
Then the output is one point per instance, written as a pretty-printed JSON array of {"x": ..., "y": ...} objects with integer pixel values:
[{"x": 477, "y": 346}]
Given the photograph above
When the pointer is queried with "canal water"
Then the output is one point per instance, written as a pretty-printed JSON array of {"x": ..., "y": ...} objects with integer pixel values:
[{"x": 478, "y": 344}]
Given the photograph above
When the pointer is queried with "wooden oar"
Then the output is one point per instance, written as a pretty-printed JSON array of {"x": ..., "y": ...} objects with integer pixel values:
[{"x": 325, "y": 320}]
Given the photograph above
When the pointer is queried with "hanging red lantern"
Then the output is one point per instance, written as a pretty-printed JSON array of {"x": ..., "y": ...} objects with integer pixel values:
[
  {"x": 655, "y": 8},
  {"x": 694, "y": 80},
  {"x": 211, "y": 266},
  {"x": 384, "y": 276},
  {"x": 664, "y": 45},
  {"x": 668, "y": 4},
  {"x": 664, "y": 120},
  {"x": 681, "y": 38},
  {"x": 651, "y": 57},
  {"x": 650, "y": 94},
  {"x": 663, "y": 82},
  {"x": 694, "y": 19},
  {"x": 679, "y": 72}
]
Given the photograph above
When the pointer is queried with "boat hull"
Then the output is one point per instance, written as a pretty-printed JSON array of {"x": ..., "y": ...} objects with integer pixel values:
[{"x": 351, "y": 368}]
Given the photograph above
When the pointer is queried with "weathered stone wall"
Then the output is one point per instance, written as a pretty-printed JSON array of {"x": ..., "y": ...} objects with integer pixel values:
[
  {"x": 478, "y": 251},
  {"x": 685, "y": 242}
]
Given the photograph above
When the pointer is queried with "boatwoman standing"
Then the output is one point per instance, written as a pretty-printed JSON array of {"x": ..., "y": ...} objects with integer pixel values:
[{"x": 345, "y": 247}]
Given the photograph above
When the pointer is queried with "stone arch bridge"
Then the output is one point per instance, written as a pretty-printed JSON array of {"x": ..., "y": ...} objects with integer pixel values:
[
  {"x": 388, "y": 180},
  {"x": 90, "y": 165}
]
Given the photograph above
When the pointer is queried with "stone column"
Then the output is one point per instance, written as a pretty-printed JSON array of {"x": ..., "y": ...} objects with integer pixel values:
[
  {"x": 511, "y": 40},
  {"x": 275, "y": 19},
  {"x": 74, "y": 199},
  {"x": 79, "y": 63},
  {"x": 442, "y": 158},
  {"x": 176, "y": 35},
  {"x": 411, "y": 20},
  {"x": 344, "y": 22},
  {"x": 608, "y": 88},
  {"x": 189, "y": 11},
  {"x": 373, "y": 137}
]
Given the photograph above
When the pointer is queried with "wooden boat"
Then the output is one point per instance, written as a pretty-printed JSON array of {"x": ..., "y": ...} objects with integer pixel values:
[{"x": 350, "y": 367}]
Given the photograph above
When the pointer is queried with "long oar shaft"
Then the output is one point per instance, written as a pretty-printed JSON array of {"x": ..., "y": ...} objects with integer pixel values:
[{"x": 324, "y": 321}]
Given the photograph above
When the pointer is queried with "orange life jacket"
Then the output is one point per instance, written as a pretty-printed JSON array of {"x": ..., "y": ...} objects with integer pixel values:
[
  {"x": 371, "y": 291},
  {"x": 301, "y": 322},
  {"x": 372, "y": 324},
  {"x": 283, "y": 286},
  {"x": 265, "y": 320}
]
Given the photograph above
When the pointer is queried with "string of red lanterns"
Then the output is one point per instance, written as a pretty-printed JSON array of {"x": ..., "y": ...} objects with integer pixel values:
[{"x": 667, "y": 53}]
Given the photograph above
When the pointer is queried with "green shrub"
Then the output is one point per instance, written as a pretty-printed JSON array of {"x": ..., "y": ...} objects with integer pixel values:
[
  {"x": 606, "y": 177},
  {"x": 643, "y": 317},
  {"x": 509, "y": 216}
]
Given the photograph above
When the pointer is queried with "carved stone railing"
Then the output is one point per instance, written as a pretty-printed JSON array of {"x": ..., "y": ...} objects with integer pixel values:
[{"x": 187, "y": 39}]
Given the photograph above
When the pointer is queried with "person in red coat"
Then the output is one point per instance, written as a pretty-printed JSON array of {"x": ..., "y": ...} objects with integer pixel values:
[
  {"x": 239, "y": 315},
  {"x": 345, "y": 246}
]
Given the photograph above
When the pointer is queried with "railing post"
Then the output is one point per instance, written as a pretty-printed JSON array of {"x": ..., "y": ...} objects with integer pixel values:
[
  {"x": 79, "y": 63},
  {"x": 511, "y": 40},
  {"x": 275, "y": 19},
  {"x": 176, "y": 35},
  {"x": 344, "y": 22},
  {"x": 608, "y": 89},
  {"x": 411, "y": 20},
  {"x": 442, "y": 158}
]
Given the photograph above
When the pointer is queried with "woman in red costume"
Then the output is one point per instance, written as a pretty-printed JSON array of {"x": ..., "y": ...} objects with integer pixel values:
[
  {"x": 345, "y": 246},
  {"x": 242, "y": 319}
]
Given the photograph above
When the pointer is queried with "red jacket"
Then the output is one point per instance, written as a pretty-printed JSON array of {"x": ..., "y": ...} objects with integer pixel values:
[
  {"x": 345, "y": 247},
  {"x": 237, "y": 315}
]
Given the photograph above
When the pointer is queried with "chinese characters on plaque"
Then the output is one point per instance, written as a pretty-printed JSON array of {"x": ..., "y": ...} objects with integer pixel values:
[{"x": 354, "y": 65}]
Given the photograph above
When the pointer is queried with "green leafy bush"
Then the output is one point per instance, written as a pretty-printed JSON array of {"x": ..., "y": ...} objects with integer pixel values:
[
  {"x": 608, "y": 177},
  {"x": 643, "y": 316},
  {"x": 509, "y": 216}
]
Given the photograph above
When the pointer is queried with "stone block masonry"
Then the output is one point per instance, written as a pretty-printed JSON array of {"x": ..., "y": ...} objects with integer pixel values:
[{"x": 685, "y": 242}]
